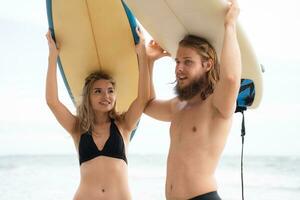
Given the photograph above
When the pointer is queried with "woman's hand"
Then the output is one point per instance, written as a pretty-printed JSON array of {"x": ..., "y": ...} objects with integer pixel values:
[
  {"x": 53, "y": 49},
  {"x": 140, "y": 47}
]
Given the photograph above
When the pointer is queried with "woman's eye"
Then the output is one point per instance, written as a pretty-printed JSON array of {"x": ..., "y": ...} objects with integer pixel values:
[
  {"x": 97, "y": 91},
  {"x": 111, "y": 91}
]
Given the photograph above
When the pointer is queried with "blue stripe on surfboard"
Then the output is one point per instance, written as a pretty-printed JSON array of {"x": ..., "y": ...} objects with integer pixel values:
[
  {"x": 132, "y": 22},
  {"x": 133, "y": 25},
  {"x": 51, "y": 28}
]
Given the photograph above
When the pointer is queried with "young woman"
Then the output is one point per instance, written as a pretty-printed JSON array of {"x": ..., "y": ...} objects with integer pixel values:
[{"x": 101, "y": 135}]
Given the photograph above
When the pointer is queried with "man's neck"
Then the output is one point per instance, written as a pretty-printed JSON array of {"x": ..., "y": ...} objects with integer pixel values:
[{"x": 196, "y": 100}]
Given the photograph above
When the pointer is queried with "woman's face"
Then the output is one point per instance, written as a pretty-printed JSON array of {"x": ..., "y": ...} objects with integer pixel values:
[{"x": 103, "y": 96}]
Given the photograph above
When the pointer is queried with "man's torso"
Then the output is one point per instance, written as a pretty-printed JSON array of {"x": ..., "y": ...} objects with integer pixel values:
[{"x": 198, "y": 134}]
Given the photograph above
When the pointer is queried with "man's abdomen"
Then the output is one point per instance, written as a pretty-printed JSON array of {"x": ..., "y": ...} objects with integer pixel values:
[{"x": 189, "y": 174}]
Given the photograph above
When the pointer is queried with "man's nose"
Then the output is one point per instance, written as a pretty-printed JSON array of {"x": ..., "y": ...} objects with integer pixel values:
[{"x": 179, "y": 67}]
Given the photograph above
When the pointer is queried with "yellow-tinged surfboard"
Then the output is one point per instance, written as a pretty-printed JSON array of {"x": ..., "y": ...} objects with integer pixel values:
[{"x": 93, "y": 35}]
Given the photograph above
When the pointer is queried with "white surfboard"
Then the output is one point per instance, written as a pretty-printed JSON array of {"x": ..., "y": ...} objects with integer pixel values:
[{"x": 168, "y": 21}]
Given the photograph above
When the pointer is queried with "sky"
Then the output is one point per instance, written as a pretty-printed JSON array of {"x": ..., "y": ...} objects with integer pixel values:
[{"x": 28, "y": 127}]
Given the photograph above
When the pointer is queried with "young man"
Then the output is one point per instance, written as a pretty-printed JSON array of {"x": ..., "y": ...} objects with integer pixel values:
[{"x": 201, "y": 114}]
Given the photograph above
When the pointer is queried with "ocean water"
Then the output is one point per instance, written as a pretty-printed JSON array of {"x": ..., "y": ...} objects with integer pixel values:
[{"x": 53, "y": 177}]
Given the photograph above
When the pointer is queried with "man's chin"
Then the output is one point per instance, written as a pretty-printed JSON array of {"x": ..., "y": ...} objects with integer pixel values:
[
  {"x": 186, "y": 90},
  {"x": 186, "y": 98},
  {"x": 182, "y": 85}
]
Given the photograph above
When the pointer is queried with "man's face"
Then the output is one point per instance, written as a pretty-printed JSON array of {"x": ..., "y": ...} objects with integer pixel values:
[
  {"x": 188, "y": 66},
  {"x": 190, "y": 73}
]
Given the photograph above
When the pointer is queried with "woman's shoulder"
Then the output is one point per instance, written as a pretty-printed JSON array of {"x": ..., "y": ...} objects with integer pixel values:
[
  {"x": 77, "y": 131},
  {"x": 121, "y": 127}
]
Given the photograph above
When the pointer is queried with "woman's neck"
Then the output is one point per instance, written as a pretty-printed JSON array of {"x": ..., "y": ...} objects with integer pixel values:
[{"x": 101, "y": 118}]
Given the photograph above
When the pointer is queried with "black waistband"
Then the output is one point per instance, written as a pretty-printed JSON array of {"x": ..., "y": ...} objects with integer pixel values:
[{"x": 207, "y": 196}]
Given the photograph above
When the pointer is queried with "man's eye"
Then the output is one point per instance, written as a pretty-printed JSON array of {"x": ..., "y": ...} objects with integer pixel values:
[
  {"x": 111, "y": 91},
  {"x": 188, "y": 62}
]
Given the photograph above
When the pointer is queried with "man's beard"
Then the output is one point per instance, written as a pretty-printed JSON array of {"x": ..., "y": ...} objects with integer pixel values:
[{"x": 195, "y": 87}]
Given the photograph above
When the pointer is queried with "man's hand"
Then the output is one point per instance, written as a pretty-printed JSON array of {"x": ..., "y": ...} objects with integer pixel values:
[
  {"x": 232, "y": 13},
  {"x": 154, "y": 51}
]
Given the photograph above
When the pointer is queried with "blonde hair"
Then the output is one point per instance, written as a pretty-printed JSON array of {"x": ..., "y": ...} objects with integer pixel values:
[
  {"x": 85, "y": 112},
  {"x": 206, "y": 52}
]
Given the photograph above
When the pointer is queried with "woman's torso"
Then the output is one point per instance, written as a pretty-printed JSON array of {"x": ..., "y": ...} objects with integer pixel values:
[{"x": 103, "y": 168}]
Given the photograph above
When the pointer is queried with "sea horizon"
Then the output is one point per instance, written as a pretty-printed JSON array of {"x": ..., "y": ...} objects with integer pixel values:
[{"x": 36, "y": 177}]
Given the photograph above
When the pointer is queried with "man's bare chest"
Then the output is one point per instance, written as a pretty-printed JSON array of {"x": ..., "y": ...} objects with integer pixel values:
[{"x": 190, "y": 121}]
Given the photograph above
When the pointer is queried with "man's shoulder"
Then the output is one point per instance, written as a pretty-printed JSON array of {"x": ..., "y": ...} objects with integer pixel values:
[
  {"x": 204, "y": 105},
  {"x": 177, "y": 104}
]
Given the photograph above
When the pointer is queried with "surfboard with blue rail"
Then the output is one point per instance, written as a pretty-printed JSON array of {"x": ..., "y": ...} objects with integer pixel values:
[{"x": 95, "y": 35}]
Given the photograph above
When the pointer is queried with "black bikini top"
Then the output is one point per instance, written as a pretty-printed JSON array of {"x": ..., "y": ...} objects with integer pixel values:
[{"x": 114, "y": 146}]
